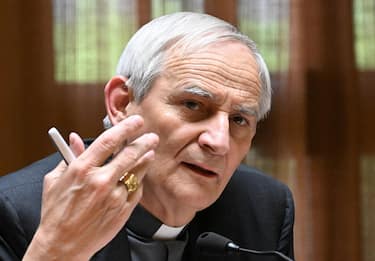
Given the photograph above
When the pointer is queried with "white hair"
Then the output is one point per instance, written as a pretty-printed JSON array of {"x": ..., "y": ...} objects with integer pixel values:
[{"x": 142, "y": 60}]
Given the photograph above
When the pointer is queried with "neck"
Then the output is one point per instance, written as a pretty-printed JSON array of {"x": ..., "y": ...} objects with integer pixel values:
[{"x": 170, "y": 214}]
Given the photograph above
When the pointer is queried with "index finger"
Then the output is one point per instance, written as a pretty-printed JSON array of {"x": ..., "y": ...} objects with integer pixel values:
[{"x": 111, "y": 140}]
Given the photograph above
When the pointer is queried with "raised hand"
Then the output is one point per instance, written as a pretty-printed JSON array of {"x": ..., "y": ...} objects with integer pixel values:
[{"x": 84, "y": 204}]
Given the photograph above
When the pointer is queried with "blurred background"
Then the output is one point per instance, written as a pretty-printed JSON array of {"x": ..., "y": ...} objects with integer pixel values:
[{"x": 56, "y": 56}]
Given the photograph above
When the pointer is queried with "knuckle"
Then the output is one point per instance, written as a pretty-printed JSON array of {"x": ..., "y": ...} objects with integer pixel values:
[
  {"x": 116, "y": 199},
  {"x": 79, "y": 170},
  {"x": 100, "y": 182},
  {"x": 49, "y": 175},
  {"x": 107, "y": 142},
  {"x": 132, "y": 155},
  {"x": 47, "y": 179}
]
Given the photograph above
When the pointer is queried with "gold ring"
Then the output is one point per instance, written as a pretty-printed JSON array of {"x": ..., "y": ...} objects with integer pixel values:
[{"x": 131, "y": 182}]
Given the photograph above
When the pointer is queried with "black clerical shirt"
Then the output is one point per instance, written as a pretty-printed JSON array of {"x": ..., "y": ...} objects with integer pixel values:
[{"x": 149, "y": 239}]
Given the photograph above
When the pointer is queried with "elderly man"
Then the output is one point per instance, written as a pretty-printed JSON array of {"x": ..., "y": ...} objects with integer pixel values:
[{"x": 182, "y": 112}]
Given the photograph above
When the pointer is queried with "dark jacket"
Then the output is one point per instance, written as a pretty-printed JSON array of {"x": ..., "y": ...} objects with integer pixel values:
[{"x": 255, "y": 211}]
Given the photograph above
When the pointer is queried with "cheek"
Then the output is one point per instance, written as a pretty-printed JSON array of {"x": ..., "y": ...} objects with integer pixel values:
[
  {"x": 170, "y": 130},
  {"x": 162, "y": 123},
  {"x": 238, "y": 153}
]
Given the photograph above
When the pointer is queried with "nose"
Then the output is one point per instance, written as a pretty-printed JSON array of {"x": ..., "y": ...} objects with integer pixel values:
[{"x": 216, "y": 136}]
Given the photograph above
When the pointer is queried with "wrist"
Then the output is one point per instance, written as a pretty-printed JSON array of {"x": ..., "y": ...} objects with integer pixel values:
[{"x": 45, "y": 247}]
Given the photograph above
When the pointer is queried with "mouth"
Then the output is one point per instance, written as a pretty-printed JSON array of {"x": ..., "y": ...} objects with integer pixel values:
[{"x": 200, "y": 170}]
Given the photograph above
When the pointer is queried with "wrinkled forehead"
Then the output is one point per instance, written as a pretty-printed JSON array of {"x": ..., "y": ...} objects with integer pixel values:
[
  {"x": 231, "y": 55},
  {"x": 228, "y": 68}
]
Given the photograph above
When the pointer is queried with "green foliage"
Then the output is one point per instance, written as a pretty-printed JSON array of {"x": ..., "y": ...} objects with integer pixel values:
[
  {"x": 364, "y": 30},
  {"x": 87, "y": 46},
  {"x": 272, "y": 41}
]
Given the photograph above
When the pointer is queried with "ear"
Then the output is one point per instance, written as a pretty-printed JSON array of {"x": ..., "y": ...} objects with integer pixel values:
[{"x": 117, "y": 97}]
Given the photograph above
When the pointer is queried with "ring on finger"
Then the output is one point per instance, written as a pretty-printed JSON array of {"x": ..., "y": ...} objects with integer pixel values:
[{"x": 130, "y": 181}]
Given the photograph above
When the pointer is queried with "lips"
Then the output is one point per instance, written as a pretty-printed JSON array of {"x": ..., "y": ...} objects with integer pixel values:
[{"x": 200, "y": 170}]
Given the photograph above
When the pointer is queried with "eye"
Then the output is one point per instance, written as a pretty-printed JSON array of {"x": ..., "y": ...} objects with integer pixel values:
[
  {"x": 239, "y": 120},
  {"x": 192, "y": 105}
]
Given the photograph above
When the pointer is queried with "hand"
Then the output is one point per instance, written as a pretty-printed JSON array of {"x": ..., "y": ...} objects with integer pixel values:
[{"x": 84, "y": 205}]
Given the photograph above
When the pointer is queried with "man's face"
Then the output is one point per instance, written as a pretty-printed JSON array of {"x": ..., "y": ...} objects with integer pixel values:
[{"x": 203, "y": 109}]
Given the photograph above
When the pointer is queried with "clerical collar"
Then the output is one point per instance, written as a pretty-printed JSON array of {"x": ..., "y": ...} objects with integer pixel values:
[{"x": 146, "y": 225}]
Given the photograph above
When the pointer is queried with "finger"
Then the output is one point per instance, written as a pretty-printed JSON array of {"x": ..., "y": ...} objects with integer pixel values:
[
  {"x": 117, "y": 197},
  {"x": 121, "y": 204},
  {"x": 120, "y": 198},
  {"x": 135, "y": 197},
  {"x": 76, "y": 144},
  {"x": 111, "y": 140},
  {"x": 138, "y": 171},
  {"x": 139, "y": 151},
  {"x": 142, "y": 165},
  {"x": 132, "y": 199}
]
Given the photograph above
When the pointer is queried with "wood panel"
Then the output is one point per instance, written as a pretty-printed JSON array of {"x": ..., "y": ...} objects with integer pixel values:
[
  {"x": 143, "y": 11},
  {"x": 224, "y": 9},
  {"x": 332, "y": 146},
  {"x": 367, "y": 112},
  {"x": 27, "y": 55},
  {"x": 315, "y": 122},
  {"x": 31, "y": 100}
]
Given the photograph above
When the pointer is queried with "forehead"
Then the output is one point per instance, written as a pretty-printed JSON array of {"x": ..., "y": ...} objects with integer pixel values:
[{"x": 227, "y": 67}]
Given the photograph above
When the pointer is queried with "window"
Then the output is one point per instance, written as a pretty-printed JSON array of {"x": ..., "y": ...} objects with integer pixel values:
[
  {"x": 162, "y": 7},
  {"x": 267, "y": 23},
  {"x": 364, "y": 30},
  {"x": 89, "y": 37}
]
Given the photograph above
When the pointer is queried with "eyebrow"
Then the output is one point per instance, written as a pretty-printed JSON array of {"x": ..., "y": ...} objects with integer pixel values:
[
  {"x": 245, "y": 109},
  {"x": 249, "y": 110},
  {"x": 199, "y": 91}
]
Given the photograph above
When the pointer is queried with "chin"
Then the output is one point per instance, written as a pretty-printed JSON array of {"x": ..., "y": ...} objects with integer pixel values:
[{"x": 197, "y": 199}]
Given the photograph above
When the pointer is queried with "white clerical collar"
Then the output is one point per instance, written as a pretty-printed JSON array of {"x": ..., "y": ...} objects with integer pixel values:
[
  {"x": 167, "y": 233},
  {"x": 143, "y": 224}
]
